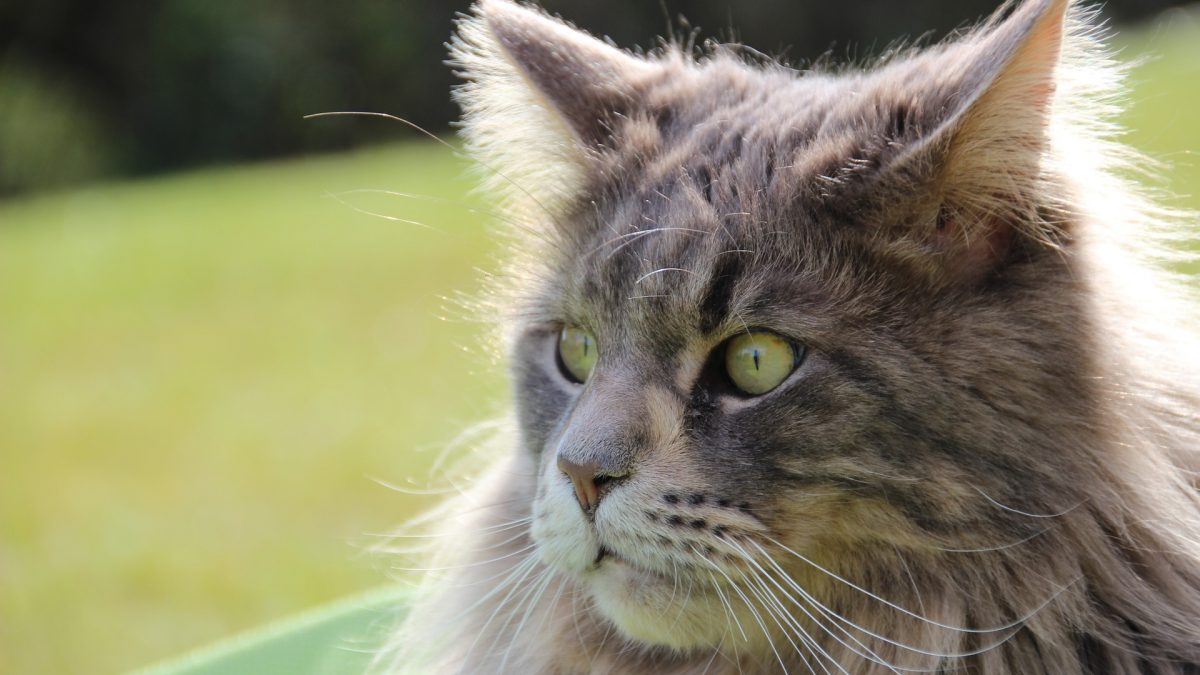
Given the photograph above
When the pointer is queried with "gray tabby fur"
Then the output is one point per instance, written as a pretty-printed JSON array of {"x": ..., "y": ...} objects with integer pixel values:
[{"x": 987, "y": 461}]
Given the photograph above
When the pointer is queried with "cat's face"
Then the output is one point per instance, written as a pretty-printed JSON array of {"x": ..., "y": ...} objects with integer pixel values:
[
  {"x": 694, "y": 473},
  {"x": 819, "y": 214}
]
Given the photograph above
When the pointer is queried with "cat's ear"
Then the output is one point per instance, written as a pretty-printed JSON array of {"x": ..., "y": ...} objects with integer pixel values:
[
  {"x": 537, "y": 98},
  {"x": 985, "y": 157}
]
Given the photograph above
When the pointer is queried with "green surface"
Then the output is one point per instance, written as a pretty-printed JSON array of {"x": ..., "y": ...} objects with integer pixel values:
[
  {"x": 200, "y": 376},
  {"x": 337, "y": 639}
]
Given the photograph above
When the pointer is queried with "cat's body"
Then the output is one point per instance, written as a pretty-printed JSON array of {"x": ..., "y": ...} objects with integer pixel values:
[{"x": 984, "y": 457}]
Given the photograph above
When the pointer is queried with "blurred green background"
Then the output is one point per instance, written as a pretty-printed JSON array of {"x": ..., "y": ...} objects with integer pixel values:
[{"x": 207, "y": 370}]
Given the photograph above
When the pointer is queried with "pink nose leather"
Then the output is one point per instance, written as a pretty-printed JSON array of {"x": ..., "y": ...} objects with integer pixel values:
[{"x": 586, "y": 480}]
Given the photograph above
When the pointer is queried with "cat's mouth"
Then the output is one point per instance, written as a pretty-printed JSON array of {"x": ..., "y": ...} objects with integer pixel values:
[
  {"x": 633, "y": 596},
  {"x": 605, "y": 553},
  {"x": 608, "y": 557},
  {"x": 601, "y": 555}
]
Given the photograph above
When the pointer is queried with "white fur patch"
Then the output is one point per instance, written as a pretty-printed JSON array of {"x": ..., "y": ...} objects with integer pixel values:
[{"x": 529, "y": 157}]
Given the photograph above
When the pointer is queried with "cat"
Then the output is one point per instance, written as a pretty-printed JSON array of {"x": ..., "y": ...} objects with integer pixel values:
[{"x": 853, "y": 371}]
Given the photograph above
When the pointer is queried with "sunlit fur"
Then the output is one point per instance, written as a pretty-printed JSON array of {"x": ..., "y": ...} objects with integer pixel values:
[{"x": 987, "y": 461}]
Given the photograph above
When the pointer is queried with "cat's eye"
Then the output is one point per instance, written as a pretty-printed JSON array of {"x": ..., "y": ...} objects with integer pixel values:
[
  {"x": 758, "y": 361},
  {"x": 577, "y": 353}
]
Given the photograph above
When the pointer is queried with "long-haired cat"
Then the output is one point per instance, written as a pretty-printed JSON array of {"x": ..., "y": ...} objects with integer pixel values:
[{"x": 842, "y": 371}]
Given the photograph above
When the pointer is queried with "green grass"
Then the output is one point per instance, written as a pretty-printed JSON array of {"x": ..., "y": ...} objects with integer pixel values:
[
  {"x": 200, "y": 375},
  {"x": 1164, "y": 109}
]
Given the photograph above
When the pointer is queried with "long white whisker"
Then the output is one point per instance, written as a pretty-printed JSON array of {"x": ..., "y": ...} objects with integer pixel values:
[
  {"x": 384, "y": 216},
  {"x": 425, "y": 547},
  {"x": 504, "y": 601},
  {"x": 712, "y": 659},
  {"x": 730, "y": 615},
  {"x": 728, "y": 607},
  {"x": 517, "y": 570},
  {"x": 484, "y": 580},
  {"x": 749, "y": 605},
  {"x": 1026, "y": 513},
  {"x": 436, "y": 200},
  {"x": 660, "y": 271},
  {"x": 458, "y": 533},
  {"x": 870, "y": 655},
  {"x": 1001, "y": 547},
  {"x": 575, "y": 620},
  {"x": 686, "y": 599},
  {"x": 476, "y": 563},
  {"x": 455, "y": 151},
  {"x": 762, "y": 574},
  {"x": 530, "y": 606},
  {"x": 914, "y": 615},
  {"x": 630, "y": 237},
  {"x": 911, "y": 580},
  {"x": 838, "y": 618},
  {"x": 777, "y": 611},
  {"x": 1011, "y": 630}
]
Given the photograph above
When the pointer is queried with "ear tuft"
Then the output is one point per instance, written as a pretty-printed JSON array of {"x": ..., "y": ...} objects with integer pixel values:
[
  {"x": 999, "y": 141},
  {"x": 988, "y": 152},
  {"x": 537, "y": 96}
]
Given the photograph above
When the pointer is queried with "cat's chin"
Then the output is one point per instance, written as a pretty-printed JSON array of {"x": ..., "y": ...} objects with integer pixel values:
[{"x": 654, "y": 609}]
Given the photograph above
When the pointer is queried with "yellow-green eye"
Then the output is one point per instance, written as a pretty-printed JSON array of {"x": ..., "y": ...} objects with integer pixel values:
[
  {"x": 577, "y": 351},
  {"x": 758, "y": 361}
]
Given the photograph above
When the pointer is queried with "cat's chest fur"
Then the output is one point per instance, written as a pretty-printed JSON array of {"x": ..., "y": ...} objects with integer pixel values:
[{"x": 859, "y": 372}]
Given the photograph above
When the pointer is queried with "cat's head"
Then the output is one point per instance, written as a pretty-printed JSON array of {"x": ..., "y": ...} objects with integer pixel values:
[{"x": 769, "y": 320}]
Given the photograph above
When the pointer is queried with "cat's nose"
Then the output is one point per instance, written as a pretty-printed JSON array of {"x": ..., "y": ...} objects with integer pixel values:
[{"x": 590, "y": 480}]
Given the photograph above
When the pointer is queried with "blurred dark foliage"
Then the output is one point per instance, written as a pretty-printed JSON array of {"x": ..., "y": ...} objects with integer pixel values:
[{"x": 137, "y": 86}]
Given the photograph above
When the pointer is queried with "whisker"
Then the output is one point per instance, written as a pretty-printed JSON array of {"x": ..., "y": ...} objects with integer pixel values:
[
  {"x": 575, "y": 622},
  {"x": 817, "y": 622},
  {"x": 504, "y": 601},
  {"x": 712, "y": 659},
  {"x": 911, "y": 580},
  {"x": 530, "y": 603},
  {"x": 871, "y": 656},
  {"x": 686, "y": 599},
  {"x": 375, "y": 214},
  {"x": 476, "y": 563},
  {"x": 776, "y": 611},
  {"x": 455, "y": 151},
  {"x": 630, "y": 237},
  {"x": 475, "y": 549},
  {"x": 458, "y": 533},
  {"x": 528, "y": 589},
  {"x": 750, "y": 606},
  {"x": 519, "y": 570},
  {"x": 1001, "y": 547},
  {"x": 660, "y": 271},
  {"x": 791, "y": 582},
  {"x": 477, "y": 582},
  {"x": 490, "y": 213},
  {"x": 830, "y": 614},
  {"x": 1026, "y": 513},
  {"x": 914, "y": 615},
  {"x": 731, "y": 620},
  {"x": 1010, "y": 630},
  {"x": 728, "y": 607}
]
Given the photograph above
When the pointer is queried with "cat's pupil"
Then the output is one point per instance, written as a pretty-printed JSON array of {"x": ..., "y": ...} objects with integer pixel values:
[{"x": 758, "y": 361}]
